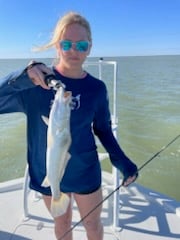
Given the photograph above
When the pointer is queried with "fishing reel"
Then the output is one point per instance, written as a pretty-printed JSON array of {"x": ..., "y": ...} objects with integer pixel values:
[
  {"x": 49, "y": 79},
  {"x": 52, "y": 82}
]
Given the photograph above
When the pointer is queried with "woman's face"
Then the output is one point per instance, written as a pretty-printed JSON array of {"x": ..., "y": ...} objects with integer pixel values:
[{"x": 73, "y": 57}]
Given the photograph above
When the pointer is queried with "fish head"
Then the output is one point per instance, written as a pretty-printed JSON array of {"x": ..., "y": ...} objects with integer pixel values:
[{"x": 62, "y": 104}]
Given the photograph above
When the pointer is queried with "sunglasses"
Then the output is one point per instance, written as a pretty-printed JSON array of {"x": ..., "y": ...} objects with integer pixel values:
[{"x": 81, "y": 46}]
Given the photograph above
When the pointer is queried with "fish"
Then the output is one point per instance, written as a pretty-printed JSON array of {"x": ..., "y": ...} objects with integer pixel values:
[{"x": 57, "y": 155}]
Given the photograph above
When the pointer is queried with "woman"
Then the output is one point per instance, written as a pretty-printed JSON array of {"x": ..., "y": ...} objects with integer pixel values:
[{"x": 27, "y": 92}]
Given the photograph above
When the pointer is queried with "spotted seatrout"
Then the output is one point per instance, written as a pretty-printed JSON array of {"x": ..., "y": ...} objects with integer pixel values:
[{"x": 58, "y": 143}]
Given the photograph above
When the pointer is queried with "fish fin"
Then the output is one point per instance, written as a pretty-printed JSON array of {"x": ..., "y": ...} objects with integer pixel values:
[
  {"x": 59, "y": 206},
  {"x": 45, "y": 182},
  {"x": 45, "y": 119}
]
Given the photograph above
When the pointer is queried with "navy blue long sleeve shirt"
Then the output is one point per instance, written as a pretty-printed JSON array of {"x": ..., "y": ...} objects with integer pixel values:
[{"x": 90, "y": 115}]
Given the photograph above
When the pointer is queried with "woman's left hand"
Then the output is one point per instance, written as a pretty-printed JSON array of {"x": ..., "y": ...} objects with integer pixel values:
[{"x": 129, "y": 180}]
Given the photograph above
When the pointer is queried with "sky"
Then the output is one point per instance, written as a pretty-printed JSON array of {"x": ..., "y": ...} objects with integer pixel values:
[{"x": 119, "y": 27}]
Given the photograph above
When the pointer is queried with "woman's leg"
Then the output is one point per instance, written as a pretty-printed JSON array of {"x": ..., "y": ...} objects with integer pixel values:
[
  {"x": 92, "y": 223},
  {"x": 62, "y": 223}
]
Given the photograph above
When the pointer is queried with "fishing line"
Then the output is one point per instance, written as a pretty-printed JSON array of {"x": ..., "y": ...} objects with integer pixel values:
[{"x": 115, "y": 190}]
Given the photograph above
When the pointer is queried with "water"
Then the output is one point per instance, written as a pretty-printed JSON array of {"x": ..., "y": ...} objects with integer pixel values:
[{"x": 148, "y": 113}]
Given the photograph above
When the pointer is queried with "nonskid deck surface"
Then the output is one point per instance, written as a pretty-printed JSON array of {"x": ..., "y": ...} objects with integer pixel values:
[{"x": 144, "y": 214}]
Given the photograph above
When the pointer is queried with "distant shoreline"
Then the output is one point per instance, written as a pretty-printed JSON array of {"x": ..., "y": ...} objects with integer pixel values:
[{"x": 165, "y": 55}]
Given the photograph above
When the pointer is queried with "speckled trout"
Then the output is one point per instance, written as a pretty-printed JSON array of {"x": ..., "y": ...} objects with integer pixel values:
[{"x": 58, "y": 143}]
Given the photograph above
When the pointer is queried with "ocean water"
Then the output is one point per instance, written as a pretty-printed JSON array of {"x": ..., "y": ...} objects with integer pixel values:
[{"x": 148, "y": 110}]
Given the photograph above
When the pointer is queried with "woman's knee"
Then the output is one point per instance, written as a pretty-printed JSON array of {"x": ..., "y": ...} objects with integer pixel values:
[
  {"x": 62, "y": 225},
  {"x": 92, "y": 225}
]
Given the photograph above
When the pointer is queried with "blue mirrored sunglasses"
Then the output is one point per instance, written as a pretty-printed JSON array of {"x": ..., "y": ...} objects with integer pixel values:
[{"x": 81, "y": 46}]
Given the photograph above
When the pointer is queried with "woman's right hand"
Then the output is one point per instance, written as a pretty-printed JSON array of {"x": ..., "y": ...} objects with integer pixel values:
[{"x": 37, "y": 71}]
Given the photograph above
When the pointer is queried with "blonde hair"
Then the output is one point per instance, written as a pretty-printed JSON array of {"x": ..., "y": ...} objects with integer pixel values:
[{"x": 63, "y": 23}]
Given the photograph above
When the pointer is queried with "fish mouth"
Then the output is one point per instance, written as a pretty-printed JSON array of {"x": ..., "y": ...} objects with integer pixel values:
[{"x": 67, "y": 94}]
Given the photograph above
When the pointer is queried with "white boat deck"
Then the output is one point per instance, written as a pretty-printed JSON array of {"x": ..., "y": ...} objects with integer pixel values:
[{"x": 144, "y": 214}]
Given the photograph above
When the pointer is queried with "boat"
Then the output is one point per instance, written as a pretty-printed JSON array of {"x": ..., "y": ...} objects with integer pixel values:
[
  {"x": 133, "y": 212},
  {"x": 143, "y": 214}
]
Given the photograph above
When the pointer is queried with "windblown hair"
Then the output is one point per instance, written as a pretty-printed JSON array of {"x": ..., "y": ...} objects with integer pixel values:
[{"x": 62, "y": 24}]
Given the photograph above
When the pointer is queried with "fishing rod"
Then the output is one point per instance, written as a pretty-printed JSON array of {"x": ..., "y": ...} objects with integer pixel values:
[{"x": 116, "y": 189}]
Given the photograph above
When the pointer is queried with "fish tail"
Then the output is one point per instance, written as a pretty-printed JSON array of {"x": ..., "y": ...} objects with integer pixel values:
[{"x": 59, "y": 206}]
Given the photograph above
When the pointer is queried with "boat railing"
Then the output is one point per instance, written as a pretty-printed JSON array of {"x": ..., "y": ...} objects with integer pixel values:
[
  {"x": 116, "y": 176},
  {"x": 101, "y": 63}
]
